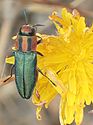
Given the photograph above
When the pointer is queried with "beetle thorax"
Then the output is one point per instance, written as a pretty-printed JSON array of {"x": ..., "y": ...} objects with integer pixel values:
[
  {"x": 26, "y": 39},
  {"x": 25, "y": 43}
]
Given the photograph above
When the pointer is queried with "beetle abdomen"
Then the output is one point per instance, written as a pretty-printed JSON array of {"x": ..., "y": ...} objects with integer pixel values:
[{"x": 25, "y": 72}]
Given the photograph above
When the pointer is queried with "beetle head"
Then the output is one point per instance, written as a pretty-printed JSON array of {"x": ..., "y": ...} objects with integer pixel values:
[{"x": 27, "y": 30}]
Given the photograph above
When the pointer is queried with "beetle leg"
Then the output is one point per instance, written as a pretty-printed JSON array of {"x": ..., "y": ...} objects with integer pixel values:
[
  {"x": 39, "y": 53},
  {"x": 36, "y": 75},
  {"x": 39, "y": 41},
  {"x": 11, "y": 73},
  {"x": 6, "y": 80},
  {"x": 46, "y": 76}
]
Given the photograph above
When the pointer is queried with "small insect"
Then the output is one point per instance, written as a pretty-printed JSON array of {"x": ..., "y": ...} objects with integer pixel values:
[
  {"x": 26, "y": 60},
  {"x": 26, "y": 70}
]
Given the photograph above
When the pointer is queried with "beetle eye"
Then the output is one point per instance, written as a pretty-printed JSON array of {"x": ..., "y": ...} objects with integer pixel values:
[
  {"x": 20, "y": 33},
  {"x": 33, "y": 31},
  {"x": 30, "y": 31}
]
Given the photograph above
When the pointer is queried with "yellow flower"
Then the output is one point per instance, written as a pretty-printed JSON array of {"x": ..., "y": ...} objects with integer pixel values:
[
  {"x": 68, "y": 66},
  {"x": 70, "y": 53}
]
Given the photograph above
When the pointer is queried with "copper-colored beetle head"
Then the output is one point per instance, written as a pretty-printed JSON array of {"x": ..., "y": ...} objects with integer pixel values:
[{"x": 27, "y": 30}]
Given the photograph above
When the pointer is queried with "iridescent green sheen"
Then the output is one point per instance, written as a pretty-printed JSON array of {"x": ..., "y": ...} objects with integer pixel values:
[{"x": 25, "y": 72}]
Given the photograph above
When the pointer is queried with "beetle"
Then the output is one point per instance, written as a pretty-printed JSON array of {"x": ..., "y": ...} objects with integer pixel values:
[
  {"x": 26, "y": 73},
  {"x": 26, "y": 70}
]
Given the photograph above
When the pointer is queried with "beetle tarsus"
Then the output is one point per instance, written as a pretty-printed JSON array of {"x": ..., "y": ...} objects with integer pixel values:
[{"x": 7, "y": 79}]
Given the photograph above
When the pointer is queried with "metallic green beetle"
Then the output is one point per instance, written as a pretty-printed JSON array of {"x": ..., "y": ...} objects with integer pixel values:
[{"x": 26, "y": 60}]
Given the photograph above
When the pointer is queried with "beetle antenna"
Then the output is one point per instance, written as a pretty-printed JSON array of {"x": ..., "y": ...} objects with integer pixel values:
[
  {"x": 25, "y": 14},
  {"x": 38, "y": 25}
]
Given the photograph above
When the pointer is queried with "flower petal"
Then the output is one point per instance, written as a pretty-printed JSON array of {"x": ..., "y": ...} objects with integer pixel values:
[
  {"x": 79, "y": 115},
  {"x": 10, "y": 60}
]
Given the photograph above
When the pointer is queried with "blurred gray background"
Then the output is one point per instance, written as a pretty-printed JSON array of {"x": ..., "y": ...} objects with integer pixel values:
[{"x": 13, "y": 109}]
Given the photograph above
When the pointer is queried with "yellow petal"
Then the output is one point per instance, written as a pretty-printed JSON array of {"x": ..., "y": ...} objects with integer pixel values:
[
  {"x": 61, "y": 112},
  {"x": 82, "y": 79},
  {"x": 59, "y": 29},
  {"x": 38, "y": 112},
  {"x": 66, "y": 113},
  {"x": 66, "y": 16},
  {"x": 56, "y": 82},
  {"x": 80, "y": 26},
  {"x": 69, "y": 114},
  {"x": 10, "y": 60},
  {"x": 57, "y": 19},
  {"x": 72, "y": 80},
  {"x": 79, "y": 115},
  {"x": 70, "y": 99}
]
